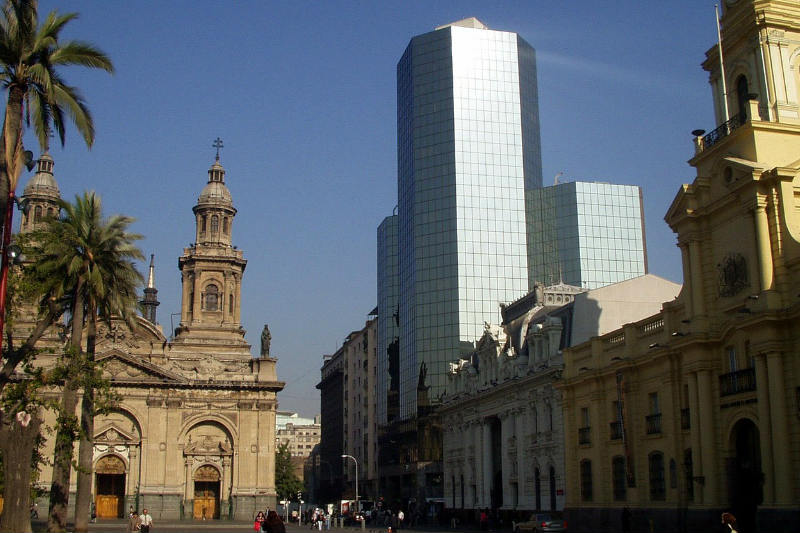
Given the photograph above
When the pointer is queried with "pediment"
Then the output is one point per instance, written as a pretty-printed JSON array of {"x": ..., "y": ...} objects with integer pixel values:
[
  {"x": 113, "y": 434},
  {"x": 119, "y": 335},
  {"x": 121, "y": 367}
]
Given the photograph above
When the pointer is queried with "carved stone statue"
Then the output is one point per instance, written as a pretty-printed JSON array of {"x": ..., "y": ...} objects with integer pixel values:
[{"x": 266, "y": 338}]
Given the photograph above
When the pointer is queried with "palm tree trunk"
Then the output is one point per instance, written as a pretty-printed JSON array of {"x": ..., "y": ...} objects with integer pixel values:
[
  {"x": 65, "y": 436},
  {"x": 18, "y": 443},
  {"x": 10, "y": 146},
  {"x": 83, "y": 497}
]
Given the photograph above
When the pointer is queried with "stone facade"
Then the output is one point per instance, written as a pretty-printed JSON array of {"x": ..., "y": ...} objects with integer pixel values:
[
  {"x": 193, "y": 433},
  {"x": 702, "y": 398}
]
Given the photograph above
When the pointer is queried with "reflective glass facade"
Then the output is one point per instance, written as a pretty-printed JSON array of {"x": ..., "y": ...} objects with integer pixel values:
[
  {"x": 468, "y": 144},
  {"x": 586, "y": 234},
  {"x": 388, "y": 291}
]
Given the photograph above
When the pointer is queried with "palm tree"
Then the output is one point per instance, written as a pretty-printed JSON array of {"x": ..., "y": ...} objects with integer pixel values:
[
  {"x": 90, "y": 261},
  {"x": 30, "y": 53}
]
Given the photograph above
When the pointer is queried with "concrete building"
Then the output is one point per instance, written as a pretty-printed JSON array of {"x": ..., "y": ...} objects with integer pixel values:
[
  {"x": 702, "y": 398},
  {"x": 328, "y": 469},
  {"x": 183, "y": 440},
  {"x": 586, "y": 234},
  {"x": 360, "y": 427},
  {"x": 300, "y": 435},
  {"x": 502, "y": 415}
]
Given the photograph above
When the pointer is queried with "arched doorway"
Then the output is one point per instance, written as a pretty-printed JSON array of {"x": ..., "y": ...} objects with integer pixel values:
[
  {"x": 206, "y": 493},
  {"x": 745, "y": 479},
  {"x": 110, "y": 487}
]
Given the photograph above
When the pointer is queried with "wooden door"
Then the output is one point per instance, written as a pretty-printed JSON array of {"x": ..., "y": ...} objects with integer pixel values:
[
  {"x": 205, "y": 506},
  {"x": 107, "y": 506}
]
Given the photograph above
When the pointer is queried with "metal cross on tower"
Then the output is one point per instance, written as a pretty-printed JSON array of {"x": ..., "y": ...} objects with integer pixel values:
[{"x": 217, "y": 144}]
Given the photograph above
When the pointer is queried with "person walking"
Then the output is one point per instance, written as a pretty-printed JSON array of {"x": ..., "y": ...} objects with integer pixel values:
[
  {"x": 274, "y": 523},
  {"x": 133, "y": 521},
  {"x": 145, "y": 521},
  {"x": 258, "y": 521}
]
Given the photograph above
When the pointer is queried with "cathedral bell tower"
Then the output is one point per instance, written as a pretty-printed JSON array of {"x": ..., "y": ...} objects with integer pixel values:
[
  {"x": 212, "y": 268},
  {"x": 42, "y": 195}
]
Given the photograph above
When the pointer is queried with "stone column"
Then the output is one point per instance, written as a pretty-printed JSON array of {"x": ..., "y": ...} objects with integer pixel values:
[
  {"x": 486, "y": 463},
  {"x": 698, "y": 298},
  {"x": 237, "y": 294},
  {"x": 224, "y": 486},
  {"x": 687, "y": 278},
  {"x": 779, "y": 422},
  {"x": 187, "y": 291},
  {"x": 521, "y": 435},
  {"x": 694, "y": 436},
  {"x": 198, "y": 296},
  {"x": 133, "y": 471},
  {"x": 477, "y": 435},
  {"x": 506, "y": 430},
  {"x": 764, "y": 246},
  {"x": 764, "y": 431},
  {"x": 707, "y": 441},
  {"x": 188, "y": 491}
]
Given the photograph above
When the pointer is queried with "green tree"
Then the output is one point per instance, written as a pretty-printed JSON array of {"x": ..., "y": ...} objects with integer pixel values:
[
  {"x": 287, "y": 484},
  {"x": 30, "y": 54},
  {"x": 87, "y": 261}
]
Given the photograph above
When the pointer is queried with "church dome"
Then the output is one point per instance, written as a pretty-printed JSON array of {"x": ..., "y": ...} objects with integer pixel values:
[
  {"x": 215, "y": 192},
  {"x": 43, "y": 184}
]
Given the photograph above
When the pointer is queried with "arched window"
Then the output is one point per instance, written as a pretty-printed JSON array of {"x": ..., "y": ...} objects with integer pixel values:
[
  {"x": 586, "y": 480},
  {"x": 203, "y": 224},
  {"x": 37, "y": 214},
  {"x": 658, "y": 487},
  {"x": 225, "y": 225},
  {"x": 552, "y": 489},
  {"x": 230, "y": 303},
  {"x": 212, "y": 298},
  {"x": 741, "y": 95},
  {"x": 537, "y": 485},
  {"x": 214, "y": 224}
]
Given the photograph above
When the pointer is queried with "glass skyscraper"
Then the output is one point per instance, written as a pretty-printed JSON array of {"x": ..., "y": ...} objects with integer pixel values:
[
  {"x": 388, "y": 292},
  {"x": 585, "y": 234},
  {"x": 468, "y": 147}
]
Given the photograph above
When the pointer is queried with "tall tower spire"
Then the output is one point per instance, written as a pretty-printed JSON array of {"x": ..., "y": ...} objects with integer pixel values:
[
  {"x": 211, "y": 267},
  {"x": 150, "y": 300}
]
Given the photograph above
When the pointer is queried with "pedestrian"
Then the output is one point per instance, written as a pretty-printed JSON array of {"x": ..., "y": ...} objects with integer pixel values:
[
  {"x": 257, "y": 522},
  {"x": 729, "y": 520},
  {"x": 274, "y": 523},
  {"x": 145, "y": 521},
  {"x": 93, "y": 511},
  {"x": 400, "y": 517},
  {"x": 133, "y": 521},
  {"x": 484, "y": 520},
  {"x": 626, "y": 520}
]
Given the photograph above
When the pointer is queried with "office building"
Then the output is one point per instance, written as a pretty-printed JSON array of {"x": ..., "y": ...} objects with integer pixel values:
[
  {"x": 468, "y": 147},
  {"x": 586, "y": 234},
  {"x": 387, "y": 327}
]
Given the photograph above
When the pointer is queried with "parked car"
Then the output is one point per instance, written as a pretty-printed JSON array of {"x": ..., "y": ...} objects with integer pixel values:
[{"x": 541, "y": 523}]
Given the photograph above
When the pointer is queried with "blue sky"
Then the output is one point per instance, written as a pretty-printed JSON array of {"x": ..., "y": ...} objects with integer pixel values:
[{"x": 303, "y": 96}]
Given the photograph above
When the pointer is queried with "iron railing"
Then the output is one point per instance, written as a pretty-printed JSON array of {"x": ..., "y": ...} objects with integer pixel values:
[
  {"x": 736, "y": 382},
  {"x": 616, "y": 430},
  {"x": 725, "y": 129},
  {"x": 653, "y": 424}
]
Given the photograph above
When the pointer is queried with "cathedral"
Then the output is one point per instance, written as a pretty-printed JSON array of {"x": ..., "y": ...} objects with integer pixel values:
[{"x": 193, "y": 434}]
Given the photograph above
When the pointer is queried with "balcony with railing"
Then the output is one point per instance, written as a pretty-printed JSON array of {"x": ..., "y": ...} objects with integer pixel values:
[
  {"x": 653, "y": 424},
  {"x": 726, "y": 128},
  {"x": 737, "y": 382},
  {"x": 585, "y": 435},
  {"x": 616, "y": 430}
]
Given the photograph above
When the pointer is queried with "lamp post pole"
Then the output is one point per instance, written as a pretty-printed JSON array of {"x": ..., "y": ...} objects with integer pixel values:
[{"x": 356, "y": 462}]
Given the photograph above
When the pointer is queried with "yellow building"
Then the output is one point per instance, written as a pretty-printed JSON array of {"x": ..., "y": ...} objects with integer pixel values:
[
  {"x": 695, "y": 410},
  {"x": 193, "y": 435}
]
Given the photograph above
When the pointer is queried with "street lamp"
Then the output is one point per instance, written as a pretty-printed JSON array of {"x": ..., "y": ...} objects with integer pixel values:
[{"x": 356, "y": 462}]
